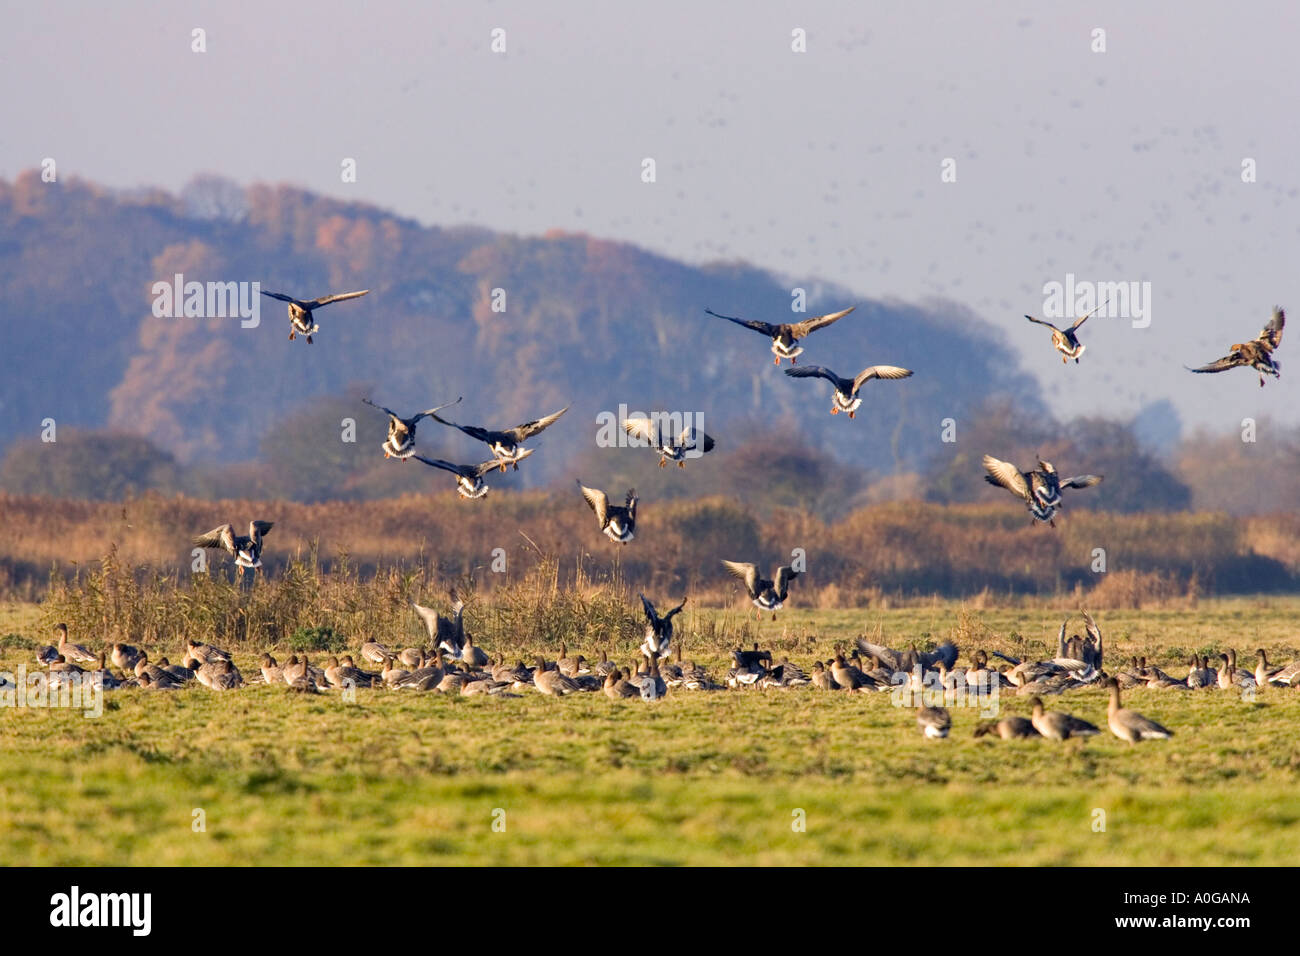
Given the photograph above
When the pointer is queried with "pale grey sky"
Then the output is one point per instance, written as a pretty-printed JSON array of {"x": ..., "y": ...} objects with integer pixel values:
[{"x": 1115, "y": 166}]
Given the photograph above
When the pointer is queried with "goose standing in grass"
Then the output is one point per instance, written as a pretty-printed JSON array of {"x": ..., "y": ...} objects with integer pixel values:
[
  {"x": 785, "y": 336},
  {"x": 687, "y": 443},
  {"x": 766, "y": 595},
  {"x": 70, "y": 651},
  {"x": 300, "y": 311},
  {"x": 1040, "y": 488},
  {"x": 1288, "y": 676},
  {"x": 845, "y": 398},
  {"x": 551, "y": 682},
  {"x": 618, "y": 688},
  {"x": 1257, "y": 354},
  {"x": 935, "y": 722},
  {"x": 246, "y": 549},
  {"x": 400, "y": 442},
  {"x": 507, "y": 444},
  {"x": 1008, "y": 728},
  {"x": 469, "y": 478},
  {"x": 1066, "y": 341},
  {"x": 125, "y": 656},
  {"x": 617, "y": 522},
  {"x": 658, "y": 630},
  {"x": 1058, "y": 725},
  {"x": 1129, "y": 724}
]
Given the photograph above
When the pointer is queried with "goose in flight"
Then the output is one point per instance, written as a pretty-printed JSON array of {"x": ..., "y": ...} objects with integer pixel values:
[
  {"x": 766, "y": 595},
  {"x": 617, "y": 522},
  {"x": 846, "y": 398},
  {"x": 785, "y": 336},
  {"x": 469, "y": 478},
  {"x": 246, "y": 549},
  {"x": 1040, "y": 488},
  {"x": 688, "y": 443},
  {"x": 507, "y": 444},
  {"x": 300, "y": 310},
  {"x": 400, "y": 442},
  {"x": 1258, "y": 353},
  {"x": 657, "y": 645},
  {"x": 1066, "y": 341}
]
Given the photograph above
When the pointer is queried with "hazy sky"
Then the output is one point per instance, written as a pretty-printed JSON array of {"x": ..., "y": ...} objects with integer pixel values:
[{"x": 1117, "y": 166}]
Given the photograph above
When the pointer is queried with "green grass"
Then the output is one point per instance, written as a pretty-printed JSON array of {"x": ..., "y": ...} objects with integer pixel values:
[{"x": 693, "y": 779}]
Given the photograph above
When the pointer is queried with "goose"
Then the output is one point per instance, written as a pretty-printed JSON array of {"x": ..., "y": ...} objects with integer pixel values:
[
  {"x": 507, "y": 444},
  {"x": 1129, "y": 724},
  {"x": 1066, "y": 341},
  {"x": 618, "y": 688},
  {"x": 552, "y": 683},
  {"x": 181, "y": 672},
  {"x": 747, "y": 667},
  {"x": 617, "y": 522},
  {"x": 426, "y": 677},
  {"x": 658, "y": 630},
  {"x": 206, "y": 653},
  {"x": 785, "y": 336},
  {"x": 375, "y": 651},
  {"x": 447, "y": 634},
  {"x": 604, "y": 667},
  {"x": 125, "y": 656},
  {"x": 1257, "y": 354},
  {"x": 300, "y": 310},
  {"x": 1008, "y": 728},
  {"x": 102, "y": 675},
  {"x": 272, "y": 672},
  {"x": 246, "y": 549},
  {"x": 650, "y": 682},
  {"x": 845, "y": 398},
  {"x": 345, "y": 674},
  {"x": 1058, "y": 725},
  {"x": 391, "y": 673},
  {"x": 472, "y": 654},
  {"x": 410, "y": 656},
  {"x": 848, "y": 676},
  {"x": 469, "y": 478},
  {"x": 906, "y": 661},
  {"x": 154, "y": 673},
  {"x": 1287, "y": 676},
  {"x": 766, "y": 595},
  {"x": 674, "y": 446},
  {"x": 400, "y": 443},
  {"x": 571, "y": 666},
  {"x": 822, "y": 679},
  {"x": 147, "y": 682},
  {"x": 225, "y": 676},
  {"x": 935, "y": 722},
  {"x": 1198, "y": 674},
  {"x": 1229, "y": 677},
  {"x": 1040, "y": 489},
  {"x": 48, "y": 654},
  {"x": 294, "y": 670},
  {"x": 70, "y": 651},
  {"x": 792, "y": 675}
]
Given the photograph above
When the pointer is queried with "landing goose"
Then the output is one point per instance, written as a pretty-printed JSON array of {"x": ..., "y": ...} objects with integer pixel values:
[
  {"x": 845, "y": 397},
  {"x": 674, "y": 445},
  {"x": 659, "y": 630},
  {"x": 785, "y": 336},
  {"x": 246, "y": 549},
  {"x": 617, "y": 522},
  {"x": 1066, "y": 341},
  {"x": 400, "y": 443},
  {"x": 300, "y": 310},
  {"x": 469, "y": 478},
  {"x": 1257, "y": 354},
  {"x": 766, "y": 595},
  {"x": 506, "y": 444}
]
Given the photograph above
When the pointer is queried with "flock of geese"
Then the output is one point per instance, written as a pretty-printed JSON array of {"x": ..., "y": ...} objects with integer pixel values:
[{"x": 452, "y": 663}]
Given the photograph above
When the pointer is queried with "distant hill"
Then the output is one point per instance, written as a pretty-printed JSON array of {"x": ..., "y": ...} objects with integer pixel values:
[{"x": 587, "y": 321}]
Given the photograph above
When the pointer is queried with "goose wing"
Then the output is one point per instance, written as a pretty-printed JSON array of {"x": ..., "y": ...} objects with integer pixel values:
[
  {"x": 1272, "y": 333},
  {"x": 676, "y": 610},
  {"x": 746, "y": 572},
  {"x": 467, "y": 471},
  {"x": 820, "y": 371},
  {"x": 528, "y": 429},
  {"x": 383, "y": 408},
  {"x": 1042, "y": 322},
  {"x": 1084, "y": 318},
  {"x": 257, "y": 530},
  {"x": 784, "y": 575},
  {"x": 1082, "y": 481},
  {"x": 415, "y": 419},
  {"x": 690, "y": 440},
  {"x": 767, "y": 328},
  {"x": 1005, "y": 474},
  {"x": 284, "y": 298},
  {"x": 430, "y": 618},
  {"x": 649, "y": 608},
  {"x": 643, "y": 429},
  {"x": 338, "y": 297},
  {"x": 598, "y": 501},
  {"x": 1220, "y": 365},
  {"x": 880, "y": 371},
  {"x": 222, "y": 537},
  {"x": 800, "y": 329},
  {"x": 630, "y": 504}
]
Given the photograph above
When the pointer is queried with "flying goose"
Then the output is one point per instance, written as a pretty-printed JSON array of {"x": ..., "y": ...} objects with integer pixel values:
[
  {"x": 1258, "y": 354},
  {"x": 1066, "y": 341},
  {"x": 507, "y": 444},
  {"x": 688, "y": 443},
  {"x": 935, "y": 722},
  {"x": 906, "y": 661},
  {"x": 400, "y": 442},
  {"x": 300, "y": 310},
  {"x": 246, "y": 549},
  {"x": 1129, "y": 724},
  {"x": 845, "y": 397},
  {"x": 1008, "y": 728},
  {"x": 1040, "y": 488},
  {"x": 785, "y": 336},
  {"x": 446, "y": 634},
  {"x": 618, "y": 522},
  {"x": 1058, "y": 725},
  {"x": 766, "y": 595},
  {"x": 469, "y": 478},
  {"x": 72, "y": 652},
  {"x": 658, "y": 630},
  {"x": 1288, "y": 676}
]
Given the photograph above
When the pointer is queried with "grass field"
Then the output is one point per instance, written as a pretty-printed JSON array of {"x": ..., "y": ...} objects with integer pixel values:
[{"x": 703, "y": 778}]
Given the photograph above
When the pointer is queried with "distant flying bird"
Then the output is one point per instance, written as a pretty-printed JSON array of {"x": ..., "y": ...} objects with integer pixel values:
[
  {"x": 1258, "y": 354},
  {"x": 469, "y": 478},
  {"x": 300, "y": 310},
  {"x": 670, "y": 447},
  {"x": 1040, "y": 488},
  {"x": 846, "y": 398},
  {"x": 657, "y": 645},
  {"x": 507, "y": 444},
  {"x": 618, "y": 522},
  {"x": 400, "y": 442},
  {"x": 1065, "y": 340},
  {"x": 785, "y": 336},
  {"x": 246, "y": 549},
  {"x": 766, "y": 595}
]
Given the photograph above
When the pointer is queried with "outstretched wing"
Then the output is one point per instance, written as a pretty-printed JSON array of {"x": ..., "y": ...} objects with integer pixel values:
[
  {"x": 643, "y": 429},
  {"x": 784, "y": 575},
  {"x": 1082, "y": 481},
  {"x": 1042, "y": 322},
  {"x": 630, "y": 503},
  {"x": 428, "y": 411},
  {"x": 473, "y": 431},
  {"x": 1082, "y": 319},
  {"x": 282, "y": 297},
  {"x": 528, "y": 429},
  {"x": 598, "y": 501},
  {"x": 691, "y": 439},
  {"x": 1005, "y": 474},
  {"x": 767, "y": 328},
  {"x": 800, "y": 329},
  {"x": 1271, "y": 335},
  {"x": 327, "y": 299},
  {"x": 677, "y": 609},
  {"x": 494, "y": 464},
  {"x": 446, "y": 465},
  {"x": 650, "y": 614},
  {"x": 1220, "y": 365},
  {"x": 223, "y": 537},
  {"x": 1093, "y": 630},
  {"x": 880, "y": 371},
  {"x": 816, "y": 371},
  {"x": 746, "y": 572},
  {"x": 430, "y": 618},
  {"x": 383, "y": 408},
  {"x": 260, "y": 529}
]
